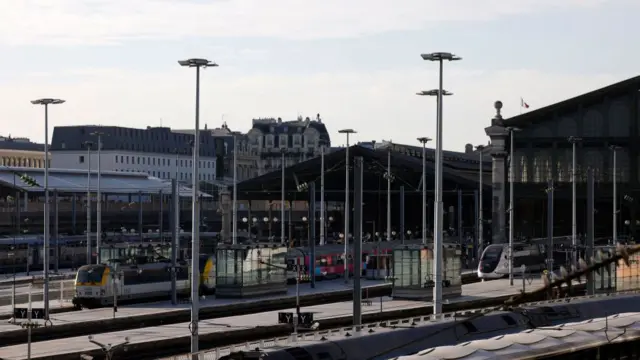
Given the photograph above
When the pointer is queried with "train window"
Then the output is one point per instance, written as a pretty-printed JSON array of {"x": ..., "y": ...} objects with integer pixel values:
[
  {"x": 469, "y": 327},
  {"x": 90, "y": 276},
  {"x": 492, "y": 253},
  {"x": 509, "y": 320},
  {"x": 324, "y": 356},
  {"x": 518, "y": 248}
]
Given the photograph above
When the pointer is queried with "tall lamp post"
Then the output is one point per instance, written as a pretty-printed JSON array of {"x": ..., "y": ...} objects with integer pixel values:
[
  {"x": 46, "y": 102},
  {"x": 88, "y": 145},
  {"x": 389, "y": 177},
  {"x": 234, "y": 227},
  {"x": 283, "y": 152},
  {"x": 347, "y": 208},
  {"x": 322, "y": 209},
  {"x": 480, "y": 149},
  {"x": 614, "y": 150},
  {"x": 195, "y": 213},
  {"x": 99, "y": 134},
  {"x": 574, "y": 227},
  {"x": 512, "y": 131},
  {"x": 439, "y": 57},
  {"x": 424, "y": 141}
]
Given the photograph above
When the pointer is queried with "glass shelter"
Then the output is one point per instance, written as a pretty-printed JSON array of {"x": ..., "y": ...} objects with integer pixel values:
[
  {"x": 413, "y": 272},
  {"x": 250, "y": 270}
]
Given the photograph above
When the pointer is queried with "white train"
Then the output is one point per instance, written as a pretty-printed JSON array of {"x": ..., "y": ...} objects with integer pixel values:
[
  {"x": 494, "y": 262},
  {"x": 138, "y": 281}
]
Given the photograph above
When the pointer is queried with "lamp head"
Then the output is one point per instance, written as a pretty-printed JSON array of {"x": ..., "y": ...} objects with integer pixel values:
[
  {"x": 434, "y": 92},
  {"x": 47, "y": 101},
  {"x": 480, "y": 147},
  {"x": 195, "y": 62},
  {"x": 347, "y": 131},
  {"x": 424, "y": 140},
  {"x": 440, "y": 56}
]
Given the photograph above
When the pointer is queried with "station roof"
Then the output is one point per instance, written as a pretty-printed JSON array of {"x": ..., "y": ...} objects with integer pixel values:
[
  {"x": 407, "y": 171},
  {"x": 75, "y": 181}
]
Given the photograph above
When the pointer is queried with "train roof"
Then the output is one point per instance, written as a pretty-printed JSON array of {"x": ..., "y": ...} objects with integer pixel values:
[{"x": 366, "y": 246}]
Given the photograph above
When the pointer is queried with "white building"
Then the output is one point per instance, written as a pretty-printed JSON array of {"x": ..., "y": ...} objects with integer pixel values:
[{"x": 158, "y": 152}]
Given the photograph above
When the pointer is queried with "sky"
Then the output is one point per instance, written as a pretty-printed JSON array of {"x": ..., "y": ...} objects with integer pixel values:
[{"x": 355, "y": 62}]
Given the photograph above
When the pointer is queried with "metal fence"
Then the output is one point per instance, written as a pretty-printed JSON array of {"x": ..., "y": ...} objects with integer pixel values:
[{"x": 59, "y": 290}]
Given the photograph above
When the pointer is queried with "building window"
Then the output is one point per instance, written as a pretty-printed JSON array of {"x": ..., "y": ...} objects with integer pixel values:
[
  {"x": 116, "y": 159},
  {"x": 81, "y": 159},
  {"x": 121, "y": 159}
]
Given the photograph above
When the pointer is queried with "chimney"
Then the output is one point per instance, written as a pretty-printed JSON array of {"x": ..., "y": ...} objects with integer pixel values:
[{"x": 468, "y": 149}]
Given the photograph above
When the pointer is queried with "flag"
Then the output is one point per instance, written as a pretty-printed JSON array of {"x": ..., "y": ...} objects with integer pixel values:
[{"x": 523, "y": 104}]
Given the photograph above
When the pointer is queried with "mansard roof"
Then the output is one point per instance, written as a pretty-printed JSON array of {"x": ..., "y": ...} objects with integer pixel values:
[{"x": 631, "y": 85}]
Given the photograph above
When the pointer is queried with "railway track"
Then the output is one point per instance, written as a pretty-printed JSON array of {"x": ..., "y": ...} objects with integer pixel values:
[{"x": 127, "y": 323}]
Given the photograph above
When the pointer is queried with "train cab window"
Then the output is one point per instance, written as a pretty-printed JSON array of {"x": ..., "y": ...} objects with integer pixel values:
[
  {"x": 518, "y": 248},
  {"x": 90, "y": 275},
  {"x": 492, "y": 253},
  {"x": 340, "y": 259}
]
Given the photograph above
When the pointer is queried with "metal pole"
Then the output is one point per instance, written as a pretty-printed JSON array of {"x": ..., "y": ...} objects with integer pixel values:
[
  {"x": 175, "y": 242},
  {"x": 195, "y": 231},
  {"x": 322, "y": 209},
  {"x": 282, "y": 202},
  {"x": 312, "y": 233},
  {"x": 161, "y": 198},
  {"x": 402, "y": 214},
  {"x": 89, "y": 205},
  {"x": 424, "y": 193},
  {"x": 297, "y": 319},
  {"x": 140, "y": 215},
  {"x": 550, "y": 226},
  {"x": 574, "y": 229},
  {"x": 56, "y": 230},
  {"x": 357, "y": 244},
  {"x": 45, "y": 294},
  {"x": 234, "y": 227},
  {"x": 99, "y": 204},
  {"x": 115, "y": 294},
  {"x": 437, "y": 231},
  {"x": 459, "y": 216},
  {"x": 511, "y": 207},
  {"x": 347, "y": 210},
  {"x": 590, "y": 228},
  {"x": 615, "y": 198},
  {"x": 388, "y": 194},
  {"x": 480, "y": 206},
  {"x": 29, "y": 320}
]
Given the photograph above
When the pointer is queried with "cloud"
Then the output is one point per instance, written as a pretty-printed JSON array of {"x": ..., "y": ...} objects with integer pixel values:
[
  {"x": 374, "y": 103},
  {"x": 99, "y": 22}
]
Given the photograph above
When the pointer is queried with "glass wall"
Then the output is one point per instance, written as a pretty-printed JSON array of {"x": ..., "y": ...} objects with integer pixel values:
[{"x": 247, "y": 266}]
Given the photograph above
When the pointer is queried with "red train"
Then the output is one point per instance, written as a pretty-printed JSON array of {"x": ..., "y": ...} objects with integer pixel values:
[{"x": 329, "y": 262}]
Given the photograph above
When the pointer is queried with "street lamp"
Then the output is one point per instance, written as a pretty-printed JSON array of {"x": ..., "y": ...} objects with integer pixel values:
[
  {"x": 195, "y": 212},
  {"x": 389, "y": 177},
  {"x": 88, "y": 145},
  {"x": 234, "y": 205},
  {"x": 322, "y": 209},
  {"x": 614, "y": 150},
  {"x": 346, "y": 203},
  {"x": 480, "y": 248},
  {"x": 283, "y": 152},
  {"x": 108, "y": 349},
  {"x": 574, "y": 227},
  {"x": 46, "y": 102},
  {"x": 440, "y": 57},
  {"x": 99, "y": 197},
  {"x": 424, "y": 141}
]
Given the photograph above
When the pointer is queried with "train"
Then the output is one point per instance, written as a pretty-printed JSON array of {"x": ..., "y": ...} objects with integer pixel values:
[
  {"x": 494, "y": 262},
  {"x": 146, "y": 276},
  {"x": 423, "y": 336},
  {"x": 329, "y": 262}
]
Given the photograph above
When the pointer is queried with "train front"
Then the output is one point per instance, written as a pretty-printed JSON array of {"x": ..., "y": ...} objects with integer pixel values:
[
  {"x": 91, "y": 283},
  {"x": 490, "y": 262}
]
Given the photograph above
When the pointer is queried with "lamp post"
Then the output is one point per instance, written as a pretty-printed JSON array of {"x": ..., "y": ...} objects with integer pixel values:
[
  {"x": 88, "y": 145},
  {"x": 574, "y": 227},
  {"x": 234, "y": 204},
  {"x": 98, "y": 198},
  {"x": 424, "y": 141},
  {"x": 283, "y": 152},
  {"x": 176, "y": 212},
  {"x": 46, "y": 102},
  {"x": 195, "y": 212},
  {"x": 322, "y": 209},
  {"x": 440, "y": 57},
  {"x": 347, "y": 209},
  {"x": 614, "y": 150},
  {"x": 389, "y": 177},
  {"x": 480, "y": 149},
  {"x": 512, "y": 131}
]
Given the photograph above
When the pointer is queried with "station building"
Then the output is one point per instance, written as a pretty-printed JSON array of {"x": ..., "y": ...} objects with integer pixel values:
[{"x": 543, "y": 157}]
